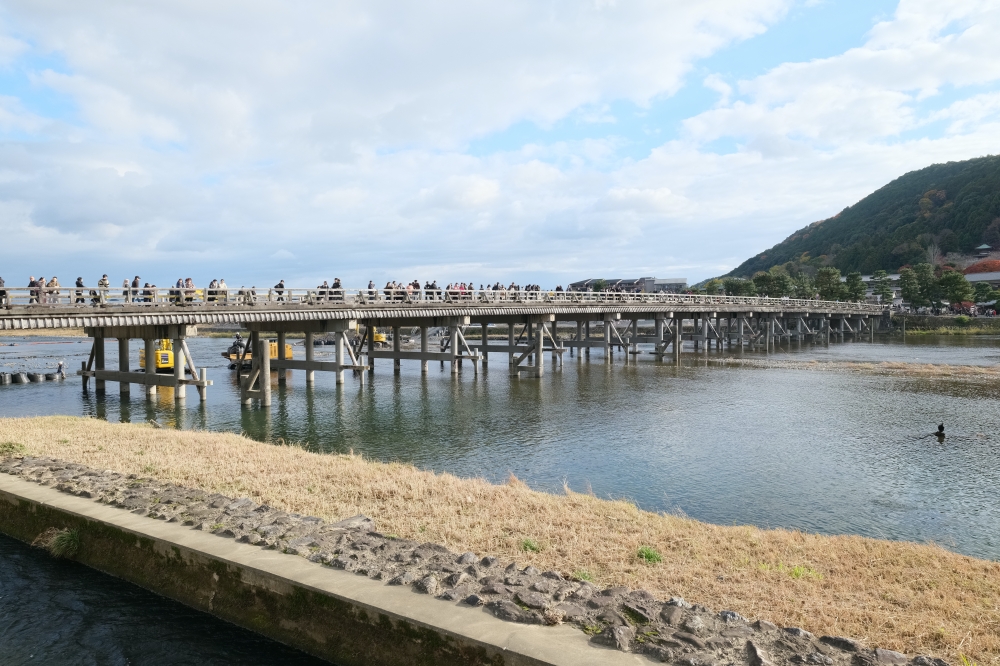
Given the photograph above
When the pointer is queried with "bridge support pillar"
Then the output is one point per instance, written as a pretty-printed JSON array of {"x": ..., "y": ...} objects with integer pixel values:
[
  {"x": 485, "y": 343},
  {"x": 423, "y": 348},
  {"x": 263, "y": 353},
  {"x": 609, "y": 320},
  {"x": 179, "y": 390},
  {"x": 99, "y": 363},
  {"x": 338, "y": 354},
  {"x": 281, "y": 356},
  {"x": 150, "y": 345},
  {"x": 510, "y": 344},
  {"x": 124, "y": 388},
  {"x": 395, "y": 348},
  {"x": 310, "y": 356}
]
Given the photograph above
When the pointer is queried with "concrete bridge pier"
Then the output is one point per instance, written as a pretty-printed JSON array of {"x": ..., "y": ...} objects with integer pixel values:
[
  {"x": 150, "y": 345},
  {"x": 424, "y": 349},
  {"x": 609, "y": 320},
  {"x": 99, "y": 386},
  {"x": 310, "y": 344},
  {"x": 124, "y": 388},
  {"x": 395, "y": 347},
  {"x": 484, "y": 351},
  {"x": 658, "y": 334}
]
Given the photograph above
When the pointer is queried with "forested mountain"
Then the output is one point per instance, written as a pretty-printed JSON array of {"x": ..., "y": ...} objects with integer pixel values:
[{"x": 943, "y": 208}]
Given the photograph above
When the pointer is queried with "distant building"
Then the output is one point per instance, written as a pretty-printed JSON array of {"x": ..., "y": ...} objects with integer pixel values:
[
  {"x": 893, "y": 283},
  {"x": 992, "y": 279},
  {"x": 983, "y": 250},
  {"x": 648, "y": 285}
]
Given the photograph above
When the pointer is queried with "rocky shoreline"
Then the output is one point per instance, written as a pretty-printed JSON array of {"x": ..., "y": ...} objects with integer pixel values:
[{"x": 629, "y": 620}]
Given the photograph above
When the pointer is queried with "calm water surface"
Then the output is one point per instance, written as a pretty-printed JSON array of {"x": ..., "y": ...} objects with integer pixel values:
[
  {"x": 59, "y": 612},
  {"x": 829, "y": 452}
]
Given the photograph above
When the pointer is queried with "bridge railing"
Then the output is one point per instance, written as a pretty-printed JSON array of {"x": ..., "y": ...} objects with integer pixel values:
[{"x": 166, "y": 297}]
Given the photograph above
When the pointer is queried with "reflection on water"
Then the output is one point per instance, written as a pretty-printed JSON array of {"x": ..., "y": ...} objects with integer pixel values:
[{"x": 830, "y": 452}]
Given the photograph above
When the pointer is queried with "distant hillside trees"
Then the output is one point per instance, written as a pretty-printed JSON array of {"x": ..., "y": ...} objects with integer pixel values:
[{"x": 915, "y": 219}]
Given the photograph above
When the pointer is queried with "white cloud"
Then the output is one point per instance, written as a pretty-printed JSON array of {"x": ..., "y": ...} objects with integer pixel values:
[
  {"x": 870, "y": 92},
  {"x": 340, "y": 131}
]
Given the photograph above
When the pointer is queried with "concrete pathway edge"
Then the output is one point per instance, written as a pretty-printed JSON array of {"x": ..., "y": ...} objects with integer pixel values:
[{"x": 339, "y": 616}]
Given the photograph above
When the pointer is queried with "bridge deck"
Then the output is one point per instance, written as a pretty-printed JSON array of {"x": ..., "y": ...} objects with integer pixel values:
[{"x": 58, "y": 308}]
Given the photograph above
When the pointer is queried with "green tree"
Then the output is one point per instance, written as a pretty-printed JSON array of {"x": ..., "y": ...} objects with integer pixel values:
[
  {"x": 713, "y": 287},
  {"x": 738, "y": 287},
  {"x": 781, "y": 284},
  {"x": 854, "y": 287},
  {"x": 828, "y": 284},
  {"x": 763, "y": 282},
  {"x": 803, "y": 286},
  {"x": 882, "y": 286},
  {"x": 955, "y": 287},
  {"x": 930, "y": 294},
  {"x": 983, "y": 292},
  {"x": 909, "y": 287},
  {"x": 598, "y": 285}
]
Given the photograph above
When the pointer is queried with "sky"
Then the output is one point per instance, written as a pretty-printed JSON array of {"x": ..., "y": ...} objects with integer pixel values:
[{"x": 534, "y": 141}]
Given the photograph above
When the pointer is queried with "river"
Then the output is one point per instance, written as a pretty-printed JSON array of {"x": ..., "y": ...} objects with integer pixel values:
[{"x": 824, "y": 451}]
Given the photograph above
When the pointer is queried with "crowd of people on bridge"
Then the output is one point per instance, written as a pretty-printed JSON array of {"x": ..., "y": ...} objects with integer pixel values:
[{"x": 184, "y": 290}]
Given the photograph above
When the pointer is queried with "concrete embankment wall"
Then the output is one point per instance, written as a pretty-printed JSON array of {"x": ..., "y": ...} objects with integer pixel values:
[{"x": 333, "y": 614}]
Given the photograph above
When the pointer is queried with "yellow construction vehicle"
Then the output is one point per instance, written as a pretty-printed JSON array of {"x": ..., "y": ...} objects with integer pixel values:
[
  {"x": 379, "y": 338},
  {"x": 164, "y": 356},
  {"x": 235, "y": 352}
]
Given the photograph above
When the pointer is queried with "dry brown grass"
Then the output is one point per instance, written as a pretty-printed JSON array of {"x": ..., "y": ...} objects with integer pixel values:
[
  {"x": 923, "y": 370},
  {"x": 45, "y": 333},
  {"x": 904, "y": 596}
]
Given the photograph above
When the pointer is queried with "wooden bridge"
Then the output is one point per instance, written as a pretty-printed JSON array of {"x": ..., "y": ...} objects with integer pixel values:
[{"x": 536, "y": 322}]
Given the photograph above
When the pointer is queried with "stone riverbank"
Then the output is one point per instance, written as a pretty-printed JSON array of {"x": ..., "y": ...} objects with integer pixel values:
[{"x": 629, "y": 620}]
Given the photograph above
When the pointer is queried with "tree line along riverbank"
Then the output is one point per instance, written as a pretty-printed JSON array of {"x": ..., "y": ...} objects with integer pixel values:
[{"x": 909, "y": 597}]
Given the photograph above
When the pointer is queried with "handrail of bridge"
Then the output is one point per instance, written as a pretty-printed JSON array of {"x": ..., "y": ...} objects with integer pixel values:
[{"x": 174, "y": 297}]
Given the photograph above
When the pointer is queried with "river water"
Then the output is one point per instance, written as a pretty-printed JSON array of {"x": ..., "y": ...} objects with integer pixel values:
[{"x": 824, "y": 451}]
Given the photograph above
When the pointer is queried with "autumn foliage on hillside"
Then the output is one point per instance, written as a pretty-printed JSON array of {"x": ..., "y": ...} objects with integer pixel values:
[{"x": 985, "y": 266}]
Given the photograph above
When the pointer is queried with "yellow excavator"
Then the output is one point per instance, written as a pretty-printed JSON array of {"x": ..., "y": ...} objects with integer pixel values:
[
  {"x": 235, "y": 351},
  {"x": 379, "y": 338},
  {"x": 164, "y": 355}
]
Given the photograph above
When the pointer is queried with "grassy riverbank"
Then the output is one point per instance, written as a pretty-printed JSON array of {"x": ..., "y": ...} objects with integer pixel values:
[
  {"x": 44, "y": 333},
  {"x": 945, "y": 324},
  {"x": 905, "y": 596}
]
